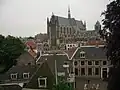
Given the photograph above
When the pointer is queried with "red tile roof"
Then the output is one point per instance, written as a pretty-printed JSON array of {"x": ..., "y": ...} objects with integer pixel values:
[
  {"x": 31, "y": 44},
  {"x": 94, "y": 42}
]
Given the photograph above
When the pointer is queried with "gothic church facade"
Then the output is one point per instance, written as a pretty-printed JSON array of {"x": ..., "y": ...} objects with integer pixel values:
[{"x": 63, "y": 30}]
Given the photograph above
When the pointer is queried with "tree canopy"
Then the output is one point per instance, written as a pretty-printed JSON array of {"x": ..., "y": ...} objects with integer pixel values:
[
  {"x": 10, "y": 49},
  {"x": 111, "y": 33},
  {"x": 63, "y": 85}
]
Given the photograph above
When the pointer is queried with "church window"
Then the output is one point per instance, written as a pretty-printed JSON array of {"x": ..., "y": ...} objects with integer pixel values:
[
  {"x": 61, "y": 30},
  {"x": 70, "y": 31},
  {"x": 64, "y": 30},
  {"x": 67, "y": 30}
]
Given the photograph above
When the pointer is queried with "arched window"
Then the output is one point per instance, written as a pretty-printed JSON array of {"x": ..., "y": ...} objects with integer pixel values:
[
  {"x": 60, "y": 29},
  {"x": 67, "y": 30},
  {"x": 64, "y": 30},
  {"x": 70, "y": 31}
]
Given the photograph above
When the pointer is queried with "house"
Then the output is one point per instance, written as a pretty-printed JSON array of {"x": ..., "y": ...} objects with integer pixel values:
[
  {"x": 53, "y": 64},
  {"x": 25, "y": 77},
  {"x": 17, "y": 75},
  {"x": 59, "y": 57},
  {"x": 35, "y": 76},
  {"x": 90, "y": 67}
]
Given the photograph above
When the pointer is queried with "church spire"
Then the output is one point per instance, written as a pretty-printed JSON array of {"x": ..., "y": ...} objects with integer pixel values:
[{"x": 69, "y": 15}]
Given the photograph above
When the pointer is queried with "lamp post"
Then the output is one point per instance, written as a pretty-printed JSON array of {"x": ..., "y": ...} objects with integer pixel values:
[
  {"x": 56, "y": 73},
  {"x": 73, "y": 73}
]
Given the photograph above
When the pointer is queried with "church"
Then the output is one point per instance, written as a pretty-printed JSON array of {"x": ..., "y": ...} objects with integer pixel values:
[{"x": 68, "y": 30}]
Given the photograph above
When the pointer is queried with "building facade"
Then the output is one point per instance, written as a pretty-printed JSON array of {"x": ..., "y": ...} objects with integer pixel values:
[
  {"x": 67, "y": 30},
  {"x": 91, "y": 67}
]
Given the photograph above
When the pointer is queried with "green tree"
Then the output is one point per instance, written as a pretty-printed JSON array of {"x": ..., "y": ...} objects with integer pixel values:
[
  {"x": 62, "y": 85},
  {"x": 111, "y": 33},
  {"x": 10, "y": 49}
]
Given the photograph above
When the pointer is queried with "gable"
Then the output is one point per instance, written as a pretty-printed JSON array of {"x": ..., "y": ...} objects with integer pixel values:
[
  {"x": 50, "y": 59},
  {"x": 42, "y": 71}
]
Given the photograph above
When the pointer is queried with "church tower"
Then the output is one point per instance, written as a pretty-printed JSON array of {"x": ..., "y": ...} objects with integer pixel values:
[
  {"x": 97, "y": 26},
  {"x": 69, "y": 14},
  {"x": 52, "y": 29}
]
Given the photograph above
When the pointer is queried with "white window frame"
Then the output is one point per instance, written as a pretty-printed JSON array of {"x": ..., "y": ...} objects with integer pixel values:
[
  {"x": 12, "y": 75},
  {"x": 98, "y": 71},
  {"x": 42, "y": 78},
  {"x": 88, "y": 63},
  {"x": 81, "y": 63},
  {"x": 88, "y": 71},
  {"x": 82, "y": 52},
  {"x": 105, "y": 61},
  {"x": 25, "y": 74},
  {"x": 95, "y": 63}
]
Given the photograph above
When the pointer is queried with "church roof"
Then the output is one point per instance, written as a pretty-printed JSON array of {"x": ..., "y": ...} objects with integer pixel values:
[{"x": 76, "y": 24}]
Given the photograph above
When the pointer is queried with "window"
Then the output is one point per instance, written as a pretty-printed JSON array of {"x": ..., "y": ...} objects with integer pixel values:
[
  {"x": 29, "y": 63},
  {"x": 64, "y": 30},
  {"x": 82, "y": 54},
  {"x": 67, "y": 30},
  {"x": 96, "y": 62},
  {"x": 42, "y": 82},
  {"x": 25, "y": 75},
  {"x": 70, "y": 31},
  {"x": 70, "y": 45},
  {"x": 14, "y": 76},
  {"x": 82, "y": 71},
  {"x": 96, "y": 71},
  {"x": 89, "y": 71},
  {"x": 76, "y": 71},
  {"x": 82, "y": 63},
  {"x": 61, "y": 29},
  {"x": 89, "y": 62},
  {"x": 75, "y": 63},
  {"x": 104, "y": 62}
]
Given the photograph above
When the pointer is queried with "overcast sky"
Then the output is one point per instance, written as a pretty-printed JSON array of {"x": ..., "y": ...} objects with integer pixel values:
[{"x": 28, "y": 17}]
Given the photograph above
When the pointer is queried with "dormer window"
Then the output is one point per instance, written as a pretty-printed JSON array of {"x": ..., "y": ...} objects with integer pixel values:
[
  {"x": 82, "y": 54},
  {"x": 25, "y": 75},
  {"x": 42, "y": 82},
  {"x": 14, "y": 76}
]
